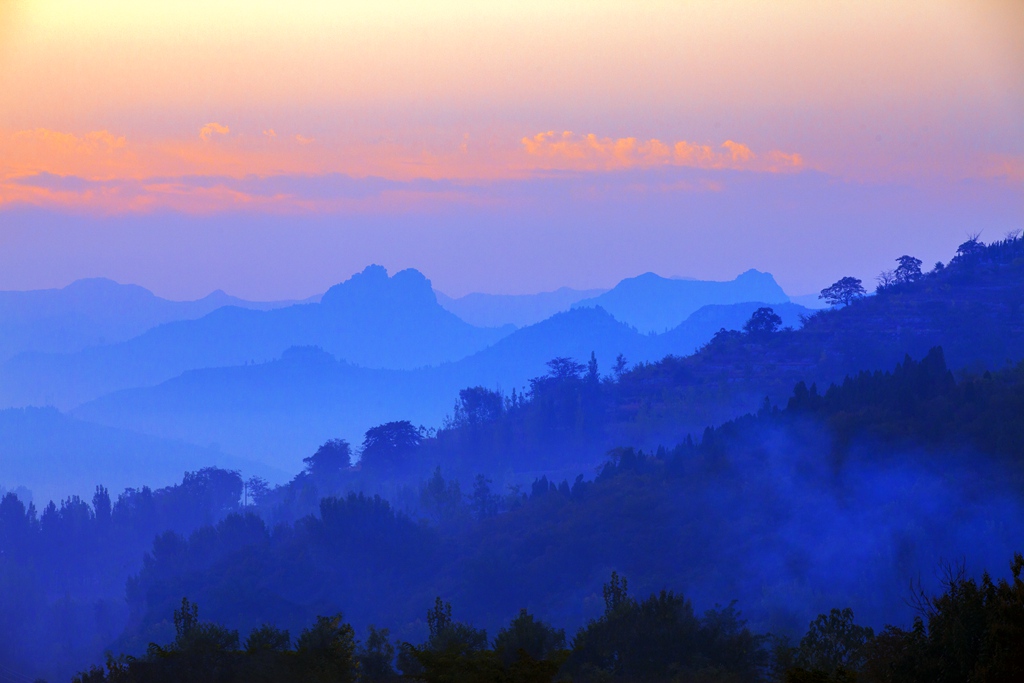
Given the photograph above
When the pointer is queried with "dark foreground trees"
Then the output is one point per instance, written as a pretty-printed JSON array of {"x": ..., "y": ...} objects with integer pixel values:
[
  {"x": 203, "y": 652},
  {"x": 662, "y": 639},
  {"x": 974, "y": 631}
]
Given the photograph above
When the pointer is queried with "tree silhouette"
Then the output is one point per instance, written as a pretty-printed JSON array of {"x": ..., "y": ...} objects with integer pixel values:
[
  {"x": 477, "y": 406},
  {"x": 620, "y": 365},
  {"x": 528, "y": 635},
  {"x": 842, "y": 291},
  {"x": 762, "y": 323},
  {"x": 376, "y": 655},
  {"x": 562, "y": 368},
  {"x": 834, "y": 643},
  {"x": 389, "y": 445},
  {"x": 331, "y": 458},
  {"x": 970, "y": 249},
  {"x": 908, "y": 270}
]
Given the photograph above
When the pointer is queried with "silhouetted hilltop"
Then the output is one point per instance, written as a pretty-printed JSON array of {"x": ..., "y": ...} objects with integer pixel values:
[
  {"x": 699, "y": 328},
  {"x": 95, "y": 311},
  {"x": 371, "y": 320},
  {"x": 495, "y": 310},
  {"x": 652, "y": 303},
  {"x": 573, "y": 334},
  {"x": 973, "y": 308}
]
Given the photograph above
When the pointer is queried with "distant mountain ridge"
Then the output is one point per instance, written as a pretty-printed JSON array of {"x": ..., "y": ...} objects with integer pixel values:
[
  {"x": 652, "y": 303},
  {"x": 495, "y": 310},
  {"x": 972, "y": 309},
  {"x": 280, "y": 410},
  {"x": 371, "y": 319},
  {"x": 648, "y": 302},
  {"x": 96, "y": 311}
]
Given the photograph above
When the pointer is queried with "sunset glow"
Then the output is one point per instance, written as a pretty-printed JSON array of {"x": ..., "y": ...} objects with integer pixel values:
[{"x": 114, "y": 107}]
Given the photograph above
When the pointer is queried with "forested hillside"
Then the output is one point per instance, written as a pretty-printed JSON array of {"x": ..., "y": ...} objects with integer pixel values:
[{"x": 775, "y": 497}]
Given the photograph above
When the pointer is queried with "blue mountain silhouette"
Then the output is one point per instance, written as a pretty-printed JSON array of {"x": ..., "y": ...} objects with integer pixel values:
[
  {"x": 94, "y": 312},
  {"x": 371, "y": 320},
  {"x": 652, "y": 303}
]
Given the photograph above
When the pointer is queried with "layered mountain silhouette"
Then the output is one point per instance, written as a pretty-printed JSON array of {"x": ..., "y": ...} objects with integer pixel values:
[
  {"x": 700, "y": 327},
  {"x": 94, "y": 312},
  {"x": 79, "y": 455},
  {"x": 274, "y": 384},
  {"x": 648, "y": 302},
  {"x": 280, "y": 411},
  {"x": 371, "y": 320},
  {"x": 652, "y": 303},
  {"x": 495, "y": 310}
]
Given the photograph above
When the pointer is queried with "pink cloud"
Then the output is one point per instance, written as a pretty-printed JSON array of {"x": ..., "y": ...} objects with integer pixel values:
[
  {"x": 97, "y": 153},
  {"x": 568, "y": 151},
  {"x": 211, "y": 129}
]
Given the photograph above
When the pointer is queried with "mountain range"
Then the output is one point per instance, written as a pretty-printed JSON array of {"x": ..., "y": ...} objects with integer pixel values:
[
  {"x": 272, "y": 384},
  {"x": 95, "y": 312},
  {"x": 652, "y": 303},
  {"x": 370, "y": 320},
  {"x": 280, "y": 411}
]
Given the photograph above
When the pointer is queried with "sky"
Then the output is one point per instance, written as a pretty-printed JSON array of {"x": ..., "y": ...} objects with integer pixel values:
[{"x": 272, "y": 149}]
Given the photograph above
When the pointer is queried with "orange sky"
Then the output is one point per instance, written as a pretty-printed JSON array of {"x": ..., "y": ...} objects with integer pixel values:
[{"x": 113, "y": 89}]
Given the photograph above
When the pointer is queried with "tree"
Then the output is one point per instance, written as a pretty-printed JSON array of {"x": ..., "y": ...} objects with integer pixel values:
[
  {"x": 592, "y": 374},
  {"x": 101, "y": 506},
  {"x": 620, "y": 366},
  {"x": 885, "y": 279},
  {"x": 186, "y": 618},
  {"x": 908, "y": 270},
  {"x": 376, "y": 656},
  {"x": 762, "y": 323},
  {"x": 326, "y": 651},
  {"x": 267, "y": 638},
  {"x": 256, "y": 489},
  {"x": 528, "y": 635},
  {"x": 563, "y": 373},
  {"x": 210, "y": 493},
  {"x": 562, "y": 368},
  {"x": 834, "y": 643},
  {"x": 389, "y": 445},
  {"x": 970, "y": 249},
  {"x": 478, "y": 405},
  {"x": 484, "y": 503},
  {"x": 448, "y": 634},
  {"x": 330, "y": 459},
  {"x": 842, "y": 291}
]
